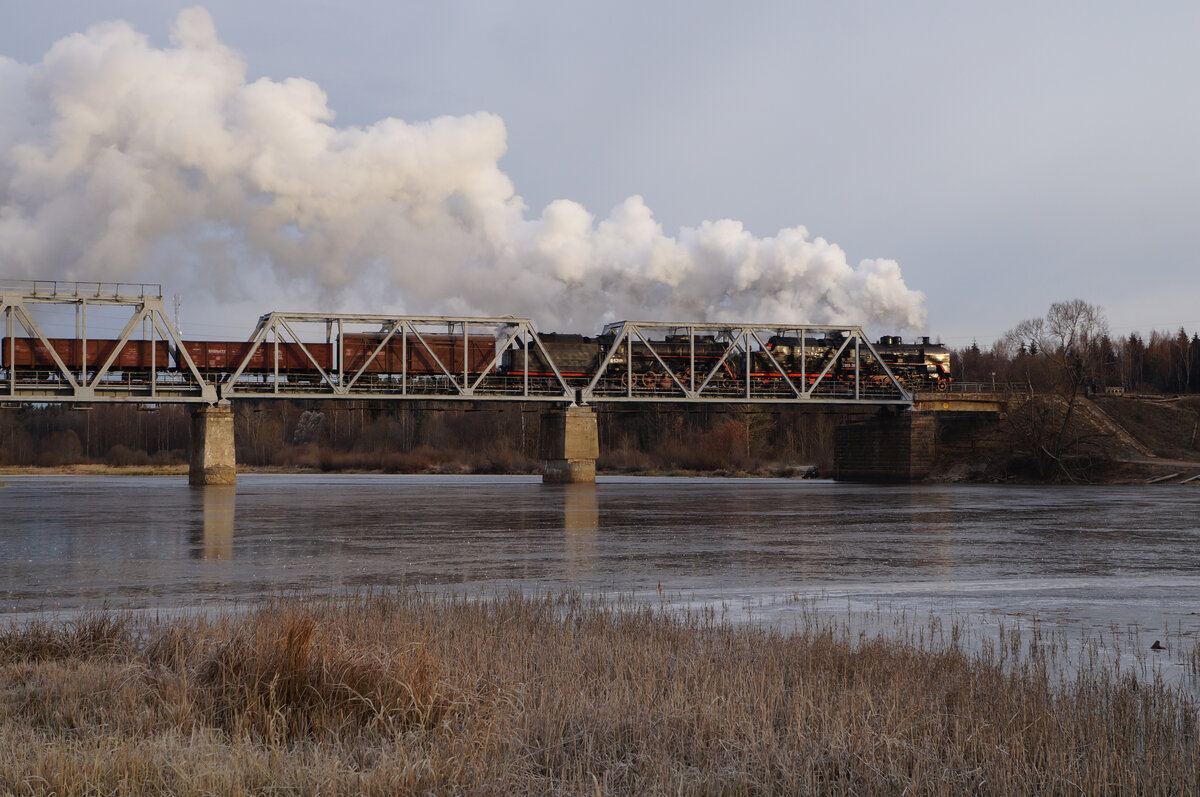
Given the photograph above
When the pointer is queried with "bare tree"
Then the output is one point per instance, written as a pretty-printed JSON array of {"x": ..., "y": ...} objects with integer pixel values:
[
  {"x": 1065, "y": 358},
  {"x": 1075, "y": 331}
]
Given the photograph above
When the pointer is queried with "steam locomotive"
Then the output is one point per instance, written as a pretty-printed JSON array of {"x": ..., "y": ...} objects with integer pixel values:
[{"x": 919, "y": 365}]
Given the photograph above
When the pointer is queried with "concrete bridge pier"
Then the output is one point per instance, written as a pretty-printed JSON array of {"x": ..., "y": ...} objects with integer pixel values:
[
  {"x": 570, "y": 445},
  {"x": 212, "y": 460},
  {"x": 891, "y": 447}
]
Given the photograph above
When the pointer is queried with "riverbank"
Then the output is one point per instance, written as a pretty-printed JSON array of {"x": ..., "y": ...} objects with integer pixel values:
[
  {"x": 1133, "y": 472},
  {"x": 94, "y": 470},
  {"x": 405, "y": 693},
  {"x": 772, "y": 471}
]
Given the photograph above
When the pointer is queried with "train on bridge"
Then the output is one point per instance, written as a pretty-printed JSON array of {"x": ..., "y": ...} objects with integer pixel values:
[{"x": 918, "y": 365}]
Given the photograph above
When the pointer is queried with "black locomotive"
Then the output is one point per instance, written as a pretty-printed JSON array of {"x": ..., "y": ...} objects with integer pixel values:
[{"x": 705, "y": 360}]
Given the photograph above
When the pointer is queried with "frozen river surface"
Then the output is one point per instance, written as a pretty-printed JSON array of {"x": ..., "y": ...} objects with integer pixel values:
[{"x": 1088, "y": 557}]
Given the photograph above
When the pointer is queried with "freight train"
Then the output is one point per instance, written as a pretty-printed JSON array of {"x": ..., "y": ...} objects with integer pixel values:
[{"x": 919, "y": 365}]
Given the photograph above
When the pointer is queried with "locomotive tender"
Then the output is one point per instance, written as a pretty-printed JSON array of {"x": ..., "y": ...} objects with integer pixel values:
[{"x": 919, "y": 365}]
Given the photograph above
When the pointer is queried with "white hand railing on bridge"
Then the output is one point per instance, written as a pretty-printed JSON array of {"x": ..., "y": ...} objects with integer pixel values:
[
  {"x": 987, "y": 388},
  {"x": 57, "y": 289}
]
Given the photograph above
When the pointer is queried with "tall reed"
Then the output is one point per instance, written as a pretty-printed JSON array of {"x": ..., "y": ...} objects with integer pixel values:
[{"x": 563, "y": 694}]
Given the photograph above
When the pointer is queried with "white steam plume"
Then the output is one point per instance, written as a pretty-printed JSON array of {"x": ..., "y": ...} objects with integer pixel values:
[{"x": 120, "y": 161}]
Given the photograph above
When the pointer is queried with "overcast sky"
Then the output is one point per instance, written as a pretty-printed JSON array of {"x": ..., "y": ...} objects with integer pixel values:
[{"x": 1005, "y": 154}]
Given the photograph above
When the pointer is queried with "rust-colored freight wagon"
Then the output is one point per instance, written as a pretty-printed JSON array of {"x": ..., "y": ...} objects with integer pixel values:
[
  {"x": 135, "y": 355},
  {"x": 225, "y": 356},
  {"x": 448, "y": 348}
]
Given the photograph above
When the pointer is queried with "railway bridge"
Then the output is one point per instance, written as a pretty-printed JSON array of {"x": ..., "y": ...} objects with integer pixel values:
[{"x": 56, "y": 350}]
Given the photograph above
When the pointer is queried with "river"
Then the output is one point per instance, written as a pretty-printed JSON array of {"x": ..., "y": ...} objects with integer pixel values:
[{"x": 1081, "y": 558}]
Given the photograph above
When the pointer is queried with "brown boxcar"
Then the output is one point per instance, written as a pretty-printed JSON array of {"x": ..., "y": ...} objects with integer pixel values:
[
  {"x": 225, "y": 356},
  {"x": 448, "y": 348},
  {"x": 135, "y": 355}
]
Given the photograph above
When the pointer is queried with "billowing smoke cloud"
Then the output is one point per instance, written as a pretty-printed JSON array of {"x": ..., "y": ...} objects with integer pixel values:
[{"x": 121, "y": 161}]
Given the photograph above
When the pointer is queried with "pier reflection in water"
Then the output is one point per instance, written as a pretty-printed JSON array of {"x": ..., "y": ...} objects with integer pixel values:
[
  {"x": 581, "y": 526},
  {"x": 1124, "y": 555},
  {"x": 218, "y": 503}
]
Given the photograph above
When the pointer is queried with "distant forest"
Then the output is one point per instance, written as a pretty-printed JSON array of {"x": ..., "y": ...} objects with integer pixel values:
[{"x": 1162, "y": 363}]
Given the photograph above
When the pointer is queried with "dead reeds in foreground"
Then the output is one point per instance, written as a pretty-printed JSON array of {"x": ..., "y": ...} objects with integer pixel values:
[{"x": 411, "y": 693}]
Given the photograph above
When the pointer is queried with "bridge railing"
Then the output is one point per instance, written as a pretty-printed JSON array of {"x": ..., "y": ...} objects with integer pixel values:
[
  {"x": 987, "y": 388},
  {"x": 63, "y": 290}
]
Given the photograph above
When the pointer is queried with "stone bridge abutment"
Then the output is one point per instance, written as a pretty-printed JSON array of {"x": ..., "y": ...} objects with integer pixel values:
[
  {"x": 909, "y": 445},
  {"x": 212, "y": 458}
]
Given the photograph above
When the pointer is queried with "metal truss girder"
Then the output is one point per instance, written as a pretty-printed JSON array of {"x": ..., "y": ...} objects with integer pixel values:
[
  {"x": 775, "y": 363},
  {"x": 724, "y": 358},
  {"x": 745, "y": 343},
  {"x": 829, "y": 365},
  {"x": 63, "y": 383},
  {"x": 282, "y": 322},
  {"x": 437, "y": 360},
  {"x": 672, "y": 375},
  {"x": 34, "y": 331},
  {"x": 476, "y": 381},
  {"x": 491, "y": 366},
  {"x": 256, "y": 339},
  {"x": 382, "y": 343}
]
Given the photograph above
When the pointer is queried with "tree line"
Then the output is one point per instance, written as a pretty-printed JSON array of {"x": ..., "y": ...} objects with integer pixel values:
[
  {"x": 1056, "y": 362},
  {"x": 1073, "y": 340}
]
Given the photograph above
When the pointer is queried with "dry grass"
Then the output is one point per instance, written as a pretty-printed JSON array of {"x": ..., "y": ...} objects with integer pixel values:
[
  {"x": 1167, "y": 428},
  {"x": 422, "y": 459},
  {"x": 94, "y": 470},
  {"x": 409, "y": 693}
]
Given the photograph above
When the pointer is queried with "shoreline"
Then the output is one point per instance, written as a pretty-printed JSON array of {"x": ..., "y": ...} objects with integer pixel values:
[
  {"x": 789, "y": 472},
  {"x": 1132, "y": 472}
]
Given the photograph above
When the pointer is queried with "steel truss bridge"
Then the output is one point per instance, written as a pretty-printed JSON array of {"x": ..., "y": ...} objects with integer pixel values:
[{"x": 346, "y": 356}]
